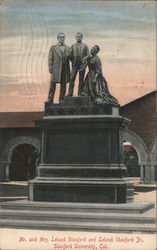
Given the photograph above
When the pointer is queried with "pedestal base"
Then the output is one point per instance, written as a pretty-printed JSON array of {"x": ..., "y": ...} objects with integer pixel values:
[
  {"x": 80, "y": 190},
  {"x": 81, "y": 154}
]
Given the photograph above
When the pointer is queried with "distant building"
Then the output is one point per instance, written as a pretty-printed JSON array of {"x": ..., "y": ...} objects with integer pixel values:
[{"x": 20, "y": 141}]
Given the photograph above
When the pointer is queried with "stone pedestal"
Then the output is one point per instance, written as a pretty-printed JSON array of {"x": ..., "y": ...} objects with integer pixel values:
[{"x": 81, "y": 155}]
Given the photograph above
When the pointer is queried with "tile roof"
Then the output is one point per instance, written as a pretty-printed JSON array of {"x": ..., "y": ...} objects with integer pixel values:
[{"x": 19, "y": 119}]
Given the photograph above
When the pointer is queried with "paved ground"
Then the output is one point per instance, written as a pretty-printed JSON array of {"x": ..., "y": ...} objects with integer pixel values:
[
  {"x": 17, "y": 239},
  {"x": 146, "y": 196}
]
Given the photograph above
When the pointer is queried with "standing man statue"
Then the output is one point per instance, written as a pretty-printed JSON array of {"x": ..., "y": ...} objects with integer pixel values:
[
  {"x": 59, "y": 68},
  {"x": 78, "y": 51}
]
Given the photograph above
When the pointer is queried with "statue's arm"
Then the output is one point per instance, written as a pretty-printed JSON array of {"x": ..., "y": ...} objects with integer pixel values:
[
  {"x": 87, "y": 54},
  {"x": 71, "y": 53},
  {"x": 50, "y": 59},
  {"x": 84, "y": 62},
  {"x": 86, "y": 58},
  {"x": 98, "y": 69},
  {"x": 87, "y": 50}
]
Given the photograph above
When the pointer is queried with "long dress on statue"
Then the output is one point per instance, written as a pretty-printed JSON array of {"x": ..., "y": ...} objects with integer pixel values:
[{"x": 98, "y": 90}]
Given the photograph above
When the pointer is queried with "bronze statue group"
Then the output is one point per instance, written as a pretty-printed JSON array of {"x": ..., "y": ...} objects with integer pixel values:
[{"x": 93, "y": 85}]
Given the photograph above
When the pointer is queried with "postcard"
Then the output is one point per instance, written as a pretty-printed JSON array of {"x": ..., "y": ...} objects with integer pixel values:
[{"x": 77, "y": 101}]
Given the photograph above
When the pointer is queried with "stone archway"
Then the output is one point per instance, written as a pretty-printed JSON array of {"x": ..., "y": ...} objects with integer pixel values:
[
  {"x": 141, "y": 149},
  {"x": 138, "y": 144},
  {"x": 153, "y": 152},
  {"x": 9, "y": 149}
]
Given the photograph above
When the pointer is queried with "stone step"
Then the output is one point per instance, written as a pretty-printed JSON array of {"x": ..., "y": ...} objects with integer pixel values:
[
  {"x": 123, "y": 208},
  {"x": 78, "y": 226},
  {"x": 12, "y": 198},
  {"x": 75, "y": 216}
]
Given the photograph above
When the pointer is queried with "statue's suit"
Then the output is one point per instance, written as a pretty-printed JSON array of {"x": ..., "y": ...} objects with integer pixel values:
[{"x": 58, "y": 62}]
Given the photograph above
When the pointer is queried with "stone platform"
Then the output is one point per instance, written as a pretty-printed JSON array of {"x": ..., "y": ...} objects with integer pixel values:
[
  {"x": 119, "y": 218},
  {"x": 78, "y": 190}
]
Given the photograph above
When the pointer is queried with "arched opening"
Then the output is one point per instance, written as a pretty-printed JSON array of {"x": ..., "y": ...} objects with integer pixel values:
[
  {"x": 131, "y": 160},
  {"x": 140, "y": 151},
  {"x": 23, "y": 162}
]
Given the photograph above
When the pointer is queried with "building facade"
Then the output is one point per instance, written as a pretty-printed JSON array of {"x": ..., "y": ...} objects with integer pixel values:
[
  {"x": 142, "y": 133},
  {"x": 19, "y": 145}
]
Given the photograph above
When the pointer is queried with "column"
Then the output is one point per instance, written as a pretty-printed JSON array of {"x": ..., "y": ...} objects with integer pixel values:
[
  {"x": 141, "y": 173},
  {"x": 6, "y": 171},
  {"x": 147, "y": 173},
  {"x": 152, "y": 173}
]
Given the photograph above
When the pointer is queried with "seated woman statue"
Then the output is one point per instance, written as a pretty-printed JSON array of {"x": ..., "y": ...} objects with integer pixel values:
[{"x": 95, "y": 84}]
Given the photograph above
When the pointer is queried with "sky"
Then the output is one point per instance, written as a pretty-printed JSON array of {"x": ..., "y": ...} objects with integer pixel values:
[{"x": 124, "y": 30}]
